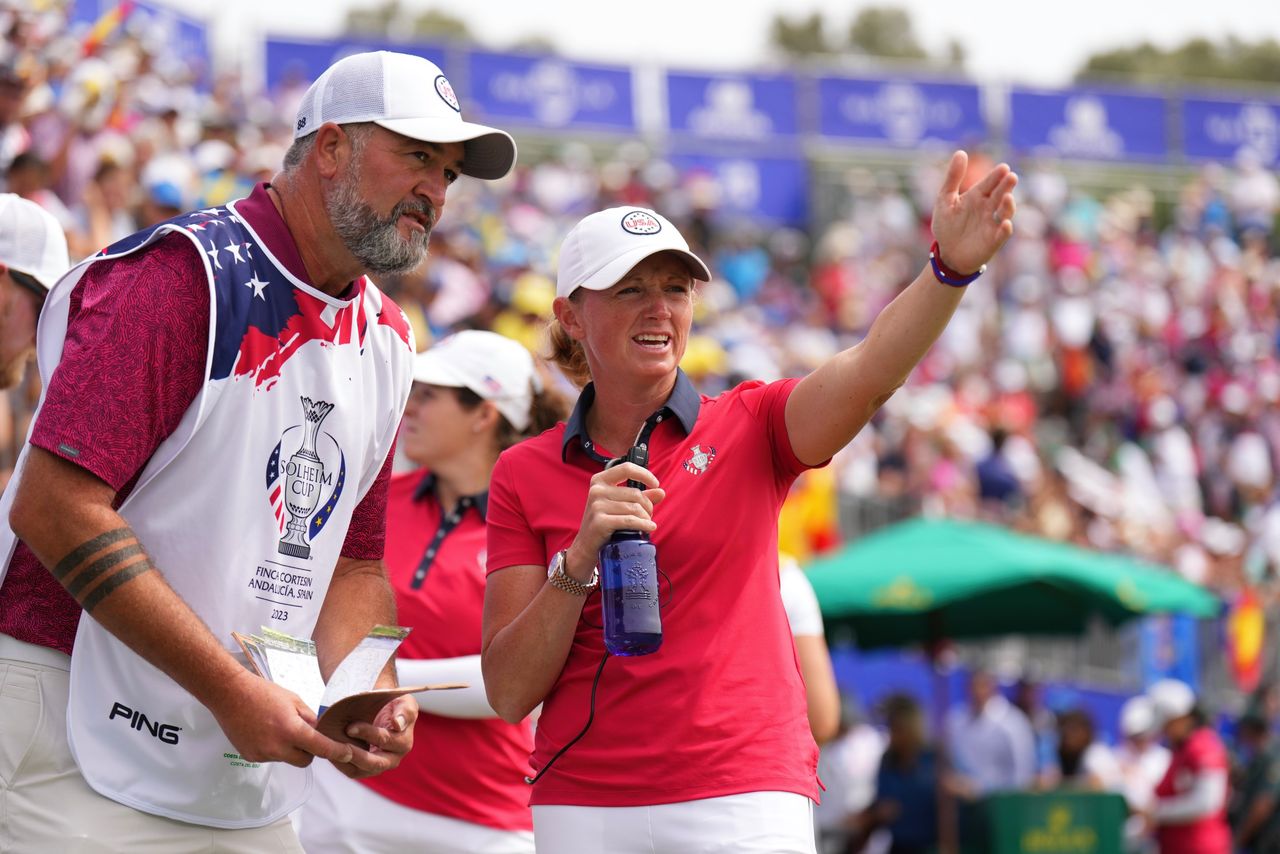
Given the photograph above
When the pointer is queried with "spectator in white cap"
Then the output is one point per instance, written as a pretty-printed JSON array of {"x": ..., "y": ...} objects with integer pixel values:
[
  {"x": 705, "y": 743},
  {"x": 243, "y": 343},
  {"x": 33, "y": 254},
  {"x": 462, "y": 788},
  {"x": 1143, "y": 761},
  {"x": 1190, "y": 810}
]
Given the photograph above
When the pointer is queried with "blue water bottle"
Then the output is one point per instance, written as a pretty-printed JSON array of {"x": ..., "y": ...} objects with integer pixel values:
[{"x": 629, "y": 586}]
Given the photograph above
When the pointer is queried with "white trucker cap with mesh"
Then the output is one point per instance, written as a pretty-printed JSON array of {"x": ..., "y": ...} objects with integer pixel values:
[
  {"x": 31, "y": 241},
  {"x": 408, "y": 95}
]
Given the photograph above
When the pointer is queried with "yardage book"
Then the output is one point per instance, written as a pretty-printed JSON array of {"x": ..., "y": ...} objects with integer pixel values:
[{"x": 349, "y": 695}]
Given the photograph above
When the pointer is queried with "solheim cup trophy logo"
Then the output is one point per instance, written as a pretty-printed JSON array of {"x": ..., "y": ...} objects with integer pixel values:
[{"x": 304, "y": 475}]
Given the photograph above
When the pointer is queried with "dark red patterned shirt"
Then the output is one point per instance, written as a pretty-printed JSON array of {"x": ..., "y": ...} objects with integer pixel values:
[{"x": 133, "y": 362}]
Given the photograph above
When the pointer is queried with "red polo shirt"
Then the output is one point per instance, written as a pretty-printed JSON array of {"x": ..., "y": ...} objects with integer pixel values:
[
  {"x": 471, "y": 769},
  {"x": 1202, "y": 751},
  {"x": 720, "y": 708}
]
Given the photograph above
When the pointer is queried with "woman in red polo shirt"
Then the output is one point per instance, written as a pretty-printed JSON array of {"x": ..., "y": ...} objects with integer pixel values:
[
  {"x": 703, "y": 745},
  {"x": 1190, "y": 812},
  {"x": 461, "y": 789}
]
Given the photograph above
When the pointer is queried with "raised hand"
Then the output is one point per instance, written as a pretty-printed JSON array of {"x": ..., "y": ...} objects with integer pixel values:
[{"x": 971, "y": 228}]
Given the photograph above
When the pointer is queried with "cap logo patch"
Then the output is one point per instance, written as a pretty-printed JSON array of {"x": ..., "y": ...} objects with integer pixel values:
[
  {"x": 641, "y": 222},
  {"x": 302, "y": 122},
  {"x": 445, "y": 91}
]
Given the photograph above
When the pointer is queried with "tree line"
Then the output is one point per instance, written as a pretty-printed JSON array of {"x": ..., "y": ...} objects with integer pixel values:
[{"x": 888, "y": 33}]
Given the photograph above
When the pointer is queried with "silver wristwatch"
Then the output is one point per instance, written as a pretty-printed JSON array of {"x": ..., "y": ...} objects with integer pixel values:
[{"x": 561, "y": 580}]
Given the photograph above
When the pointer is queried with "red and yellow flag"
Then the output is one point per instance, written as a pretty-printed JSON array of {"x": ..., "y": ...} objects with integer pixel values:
[{"x": 106, "y": 25}]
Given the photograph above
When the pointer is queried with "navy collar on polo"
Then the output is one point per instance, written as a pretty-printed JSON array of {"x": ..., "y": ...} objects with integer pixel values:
[
  {"x": 427, "y": 486},
  {"x": 684, "y": 403}
]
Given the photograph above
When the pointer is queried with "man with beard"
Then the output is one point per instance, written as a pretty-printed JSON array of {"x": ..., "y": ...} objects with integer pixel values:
[
  {"x": 211, "y": 455},
  {"x": 33, "y": 254}
]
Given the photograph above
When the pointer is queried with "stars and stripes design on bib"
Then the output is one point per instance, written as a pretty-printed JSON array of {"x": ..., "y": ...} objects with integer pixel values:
[{"x": 264, "y": 316}]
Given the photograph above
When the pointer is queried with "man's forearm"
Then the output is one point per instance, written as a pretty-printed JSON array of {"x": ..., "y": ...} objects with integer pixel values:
[
  {"x": 359, "y": 598},
  {"x": 110, "y": 574}
]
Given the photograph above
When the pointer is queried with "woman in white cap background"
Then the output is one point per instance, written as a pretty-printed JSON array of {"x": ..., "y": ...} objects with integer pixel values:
[
  {"x": 704, "y": 744},
  {"x": 33, "y": 255},
  {"x": 462, "y": 790},
  {"x": 1143, "y": 761},
  {"x": 1190, "y": 810}
]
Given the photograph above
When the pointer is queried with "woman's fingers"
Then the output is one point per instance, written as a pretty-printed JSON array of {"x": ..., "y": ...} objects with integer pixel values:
[
  {"x": 993, "y": 180},
  {"x": 623, "y": 472}
]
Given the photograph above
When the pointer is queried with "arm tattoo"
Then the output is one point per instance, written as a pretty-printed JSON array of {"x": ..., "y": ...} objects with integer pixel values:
[
  {"x": 85, "y": 550},
  {"x": 95, "y": 569},
  {"x": 102, "y": 590}
]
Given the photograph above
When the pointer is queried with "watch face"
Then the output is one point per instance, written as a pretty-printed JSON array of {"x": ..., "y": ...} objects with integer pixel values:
[{"x": 556, "y": 566}]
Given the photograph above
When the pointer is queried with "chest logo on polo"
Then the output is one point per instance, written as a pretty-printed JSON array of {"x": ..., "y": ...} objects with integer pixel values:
[
  {"x": 699, "y": 460},
  {"x": 316, "y": 470}
]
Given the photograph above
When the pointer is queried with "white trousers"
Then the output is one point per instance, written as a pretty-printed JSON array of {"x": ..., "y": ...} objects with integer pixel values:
[
  {"x": 46, "y": 807},
  {"x": 752, "y": 823},
  {"x": 346, "y": 817}
]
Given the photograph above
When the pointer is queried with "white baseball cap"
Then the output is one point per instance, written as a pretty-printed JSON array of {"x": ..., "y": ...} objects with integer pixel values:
[
  {"x": 31, "y": 241},
  {"x": 408, "y": 95},
  {"x": 1171, "y": 698},
  {"x": 491, "y": 365},
  {"x": 602, "y": 247},
  {"x": 1137, "y": 716}
]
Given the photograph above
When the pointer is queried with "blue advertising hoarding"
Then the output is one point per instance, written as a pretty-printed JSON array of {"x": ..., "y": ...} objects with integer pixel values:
[
  {"x": 901, "y": 113},
  {"x": 548, "y": 92},
  {"x": 83, "y": 11},
  {"x": 1169, "y": 648},
  {"x": 743, "y": 107},
  {"x": 292, "y": 60},
  {"x": 1089, "y": 124},
  {"x": 768, "y": 189},
  {"x": 1223, "y": 129}
]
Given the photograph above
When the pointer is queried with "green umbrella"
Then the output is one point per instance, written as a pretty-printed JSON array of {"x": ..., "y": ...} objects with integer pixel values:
[{"x": 929, "y": 579}]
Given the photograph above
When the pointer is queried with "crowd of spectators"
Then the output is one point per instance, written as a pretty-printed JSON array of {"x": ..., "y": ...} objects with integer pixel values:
[
  {"x": 1111, "y": 381},
  {"x": 886, "y": 772}
]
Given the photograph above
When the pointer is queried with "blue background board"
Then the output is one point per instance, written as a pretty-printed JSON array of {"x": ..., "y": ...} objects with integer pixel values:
[
  {"x": 1089, "y": 124},
  {"x": 1221, "y": 128},
  {"x": 769, "y": 189},
  {"x": 309, "y": 59},
  {"x": 84, "y": 11},
  {"x": 551, "y": 93},
  {"x": 739, "y": 107},
  {"x": 1169, "y": 647},
  {"x": 899, "y": 112},
  {"x": 870, "y": 677}
]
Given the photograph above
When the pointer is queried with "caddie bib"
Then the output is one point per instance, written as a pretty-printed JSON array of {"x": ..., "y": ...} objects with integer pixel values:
[{"x": 244, "y": 509}]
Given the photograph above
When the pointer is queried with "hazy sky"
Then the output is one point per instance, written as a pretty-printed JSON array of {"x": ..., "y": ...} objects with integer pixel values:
[{"x": 1026, "y": 41}]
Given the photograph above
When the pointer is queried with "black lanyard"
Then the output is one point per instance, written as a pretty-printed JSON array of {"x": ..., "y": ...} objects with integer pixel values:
[
  {"x": 642, "y": 441},
  {"x": 448, "y": 522}
]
